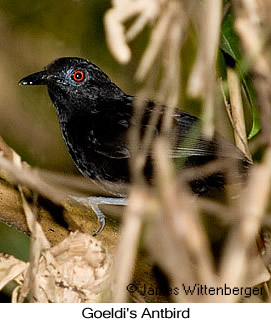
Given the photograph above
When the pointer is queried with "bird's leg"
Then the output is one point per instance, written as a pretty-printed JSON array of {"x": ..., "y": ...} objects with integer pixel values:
[{"x": 95, "y": 201}]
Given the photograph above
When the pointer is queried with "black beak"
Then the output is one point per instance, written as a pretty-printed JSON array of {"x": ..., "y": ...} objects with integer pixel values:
[{"x": 39, "y": 78}]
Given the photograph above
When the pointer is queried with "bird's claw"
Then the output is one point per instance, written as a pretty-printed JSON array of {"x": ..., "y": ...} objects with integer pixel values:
[
  {"x": 102, "y": 221},
  {"x": 95, "y": 201}
]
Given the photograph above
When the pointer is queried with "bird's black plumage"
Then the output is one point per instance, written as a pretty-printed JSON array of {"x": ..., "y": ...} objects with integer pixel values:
[{"x": 95, "y": 116}]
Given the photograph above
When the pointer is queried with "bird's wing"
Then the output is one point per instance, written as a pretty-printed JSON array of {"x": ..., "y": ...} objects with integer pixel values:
[
  {"x": 189, "y": 140},
  {"x": 116, "y": 149},
  {"x": 186, "y": 135}
]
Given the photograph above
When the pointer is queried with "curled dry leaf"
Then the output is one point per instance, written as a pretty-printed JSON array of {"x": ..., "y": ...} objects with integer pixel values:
[
  {"x": 146, "y": 12},
  {"x": 10, "y": 268},
  {"x": 81, "y": 272}
]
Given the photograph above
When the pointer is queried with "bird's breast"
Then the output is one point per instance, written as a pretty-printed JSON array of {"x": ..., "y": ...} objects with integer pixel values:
[
  {"x": 85, "y": 146},
  {"x": 79, "y": 137}
]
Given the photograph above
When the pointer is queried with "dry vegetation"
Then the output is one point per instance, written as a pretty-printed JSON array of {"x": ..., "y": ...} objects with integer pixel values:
[{"x": 166, "y": 221}]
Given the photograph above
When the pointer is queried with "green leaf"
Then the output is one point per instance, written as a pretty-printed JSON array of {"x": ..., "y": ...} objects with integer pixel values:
[
  {"x": 230, "y": 45},
  {"x": 229, "y": 40}
]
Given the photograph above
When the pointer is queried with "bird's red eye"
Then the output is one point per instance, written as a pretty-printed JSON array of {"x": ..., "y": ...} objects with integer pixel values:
[{"x": 78, "y": 76}]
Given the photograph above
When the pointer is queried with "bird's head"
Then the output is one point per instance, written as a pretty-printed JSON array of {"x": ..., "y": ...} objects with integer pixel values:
[{"x": 71, "y": 81}]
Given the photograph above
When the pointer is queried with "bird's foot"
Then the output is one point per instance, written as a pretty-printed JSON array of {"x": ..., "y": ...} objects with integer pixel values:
[{"x": 95, "y": 201}]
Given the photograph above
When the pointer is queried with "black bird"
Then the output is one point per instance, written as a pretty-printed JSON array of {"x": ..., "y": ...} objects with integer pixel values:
[{"x": 95, "y": 116}]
